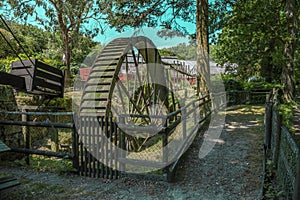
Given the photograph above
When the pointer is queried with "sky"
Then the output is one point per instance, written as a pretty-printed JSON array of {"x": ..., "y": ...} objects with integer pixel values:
[{"x": 111, "y": 33}]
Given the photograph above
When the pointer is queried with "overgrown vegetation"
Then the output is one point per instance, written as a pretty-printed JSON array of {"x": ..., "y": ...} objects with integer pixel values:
[
  {"x": 286, "y": 109},
  {"x": 269, "y": 188}
]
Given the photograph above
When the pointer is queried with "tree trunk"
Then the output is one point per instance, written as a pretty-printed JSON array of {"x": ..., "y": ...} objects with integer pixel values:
[
  {"x": 66, "y": 41},
  {"x": 67, "y": 60},
  {"x": 202, "y": 45},
  {"x": 267, "y": 65},
  {"x": 287, "y": 76}
]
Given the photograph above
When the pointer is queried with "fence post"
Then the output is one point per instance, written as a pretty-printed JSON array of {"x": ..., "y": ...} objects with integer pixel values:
[
  {"x": 268, "y": 124},
  {"x": 196, "y": 108},
  {"x": 296, "y": 192},
  {"x": 183, "y": 121},
  {"x": 75, "y": 147},
  {"x": 122, "y": 145},
  {"x": 26, "y": 134},
  {"x": 277, "y": 141},
  {"x": 165, "y": 142}
]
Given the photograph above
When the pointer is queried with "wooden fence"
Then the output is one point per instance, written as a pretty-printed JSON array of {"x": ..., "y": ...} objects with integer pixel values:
[
  {"x": 257, "y": 96},
  {"x": 103, "y": 143},
  {"x": 283, "y": 151},
  {"x": 28, "y": 121},
  {"x": 98, "y": 149}
]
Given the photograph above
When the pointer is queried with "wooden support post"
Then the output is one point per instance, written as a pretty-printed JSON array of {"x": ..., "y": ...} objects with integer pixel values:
[
  {"x": 26, "y": 134},
  {"x": 198, "y": 86},
  {"x": 183, "y": 121},
  {"x": 122, "y": 145},
  {"x": 196, "y": 109},
  {"x": 54, "y": 139},
  {"x": 56, "y": 135},
  {"x": 165, "y": 147},
  {"x": 277, "y": 141},
  {"x": 75, "y": 148},
  {"x": 268, "y": 124}
]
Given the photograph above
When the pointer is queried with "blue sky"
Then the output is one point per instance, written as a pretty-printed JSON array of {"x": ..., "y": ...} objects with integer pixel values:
[
  {"x": 110, "y": 33},
  {"x": 148, "y": 32}
]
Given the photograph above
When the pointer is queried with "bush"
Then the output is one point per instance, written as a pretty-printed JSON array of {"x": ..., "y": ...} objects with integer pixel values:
[
  {"x": 287, "y": 111},
  {"x": 233, "y": 84},
  {"x": 259, "y": 85}
]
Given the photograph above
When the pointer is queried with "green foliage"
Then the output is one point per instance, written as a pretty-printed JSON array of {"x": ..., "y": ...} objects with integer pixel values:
[
  {"x": 37, "y": 47},
  {"x": 182, "y": 51},
  {"x": 67, "y": 18},
  {"x": 286, "y": 109},
  {"x": 252, "y": 37},
  {"x": 4, "y": 47},
  {"x": 5, "y": 63},
  {"x": 43, "y": 163},
  {"x": 269, "y": 191},
  {"x": 259, "y": 85},
  {"x": 232, "y": 84},
  {"x": 168, "y": 14}
]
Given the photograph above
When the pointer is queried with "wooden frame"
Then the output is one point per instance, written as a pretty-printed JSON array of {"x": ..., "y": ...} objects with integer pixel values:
[{"x": 40, "y": 78}]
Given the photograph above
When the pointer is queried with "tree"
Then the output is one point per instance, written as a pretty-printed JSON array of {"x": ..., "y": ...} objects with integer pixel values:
[
  {"x": 5, "y": 49},
  {"x": 261, "y": 40},
  {"x": 67, "y": 16},
  {"x": 202, "y": 43},
  {"x": 249, "y": 38},
  {"x": 168, "y": 14},
  {"x": 288, "y": 79}
]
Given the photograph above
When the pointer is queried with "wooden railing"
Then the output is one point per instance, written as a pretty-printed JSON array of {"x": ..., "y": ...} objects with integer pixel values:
[{"x": 27, "y": 121}]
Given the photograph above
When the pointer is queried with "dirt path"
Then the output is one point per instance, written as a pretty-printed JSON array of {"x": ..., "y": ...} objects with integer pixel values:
[{"x": 232, "y": 170}]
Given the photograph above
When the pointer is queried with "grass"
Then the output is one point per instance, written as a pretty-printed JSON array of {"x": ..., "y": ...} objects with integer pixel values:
[
  {"x": 50, "y": 164},
  {"x": 38, "y": 190}
]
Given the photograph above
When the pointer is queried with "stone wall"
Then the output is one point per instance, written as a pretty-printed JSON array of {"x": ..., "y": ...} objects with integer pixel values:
[{"x": 10, "y": 135}]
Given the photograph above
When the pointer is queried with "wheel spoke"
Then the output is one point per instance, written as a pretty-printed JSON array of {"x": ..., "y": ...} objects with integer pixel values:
[
  {"x": 131, "y": 100},
  {"x": 139, "y": 77}
]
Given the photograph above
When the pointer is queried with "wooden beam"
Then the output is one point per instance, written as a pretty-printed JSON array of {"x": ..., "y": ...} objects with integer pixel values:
[
  {"x": 41, "y": 152},
  {"x": 13, "y": 80},
  {"x": 37, "y": 124}
]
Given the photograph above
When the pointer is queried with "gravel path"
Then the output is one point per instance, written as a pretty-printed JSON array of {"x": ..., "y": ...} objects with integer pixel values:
[{"x": 232, "y": 170}]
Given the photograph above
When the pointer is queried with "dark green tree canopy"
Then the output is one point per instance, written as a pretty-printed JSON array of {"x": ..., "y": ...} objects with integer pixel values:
[{"x": 167, "y": 14}]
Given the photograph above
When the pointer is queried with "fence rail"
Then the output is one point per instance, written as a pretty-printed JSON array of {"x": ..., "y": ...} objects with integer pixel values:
[
  {"x": 257, "y": 96},
  {"x": 99, "y": 148},
  {"x": 104, "y": 142},
  {"x": 27, "y": 122}
]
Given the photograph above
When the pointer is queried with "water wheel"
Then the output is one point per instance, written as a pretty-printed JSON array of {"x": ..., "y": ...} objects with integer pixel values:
[
  {"x": 136, "y": 113},
  {"x": 129, "y": 82}
]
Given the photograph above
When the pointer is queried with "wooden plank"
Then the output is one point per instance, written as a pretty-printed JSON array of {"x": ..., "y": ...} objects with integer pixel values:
[
  {"x": 23, "y": 72},
  {"x": 37, "y": 124},
  {"x": 8, "y": 182},
  {"x": 42, "y": 152},
  {"x": 12, "y": 80},
  {"x": 40, "y": 108},
  {"x": 38, "y": 91},
  {"x": 38, "y": 113},
  {"x": 38, "y": 82},
  {"x": 49, "y": 68},
  {"x": 45, "y": 75},
  {"x": 20, "y": 64}
]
